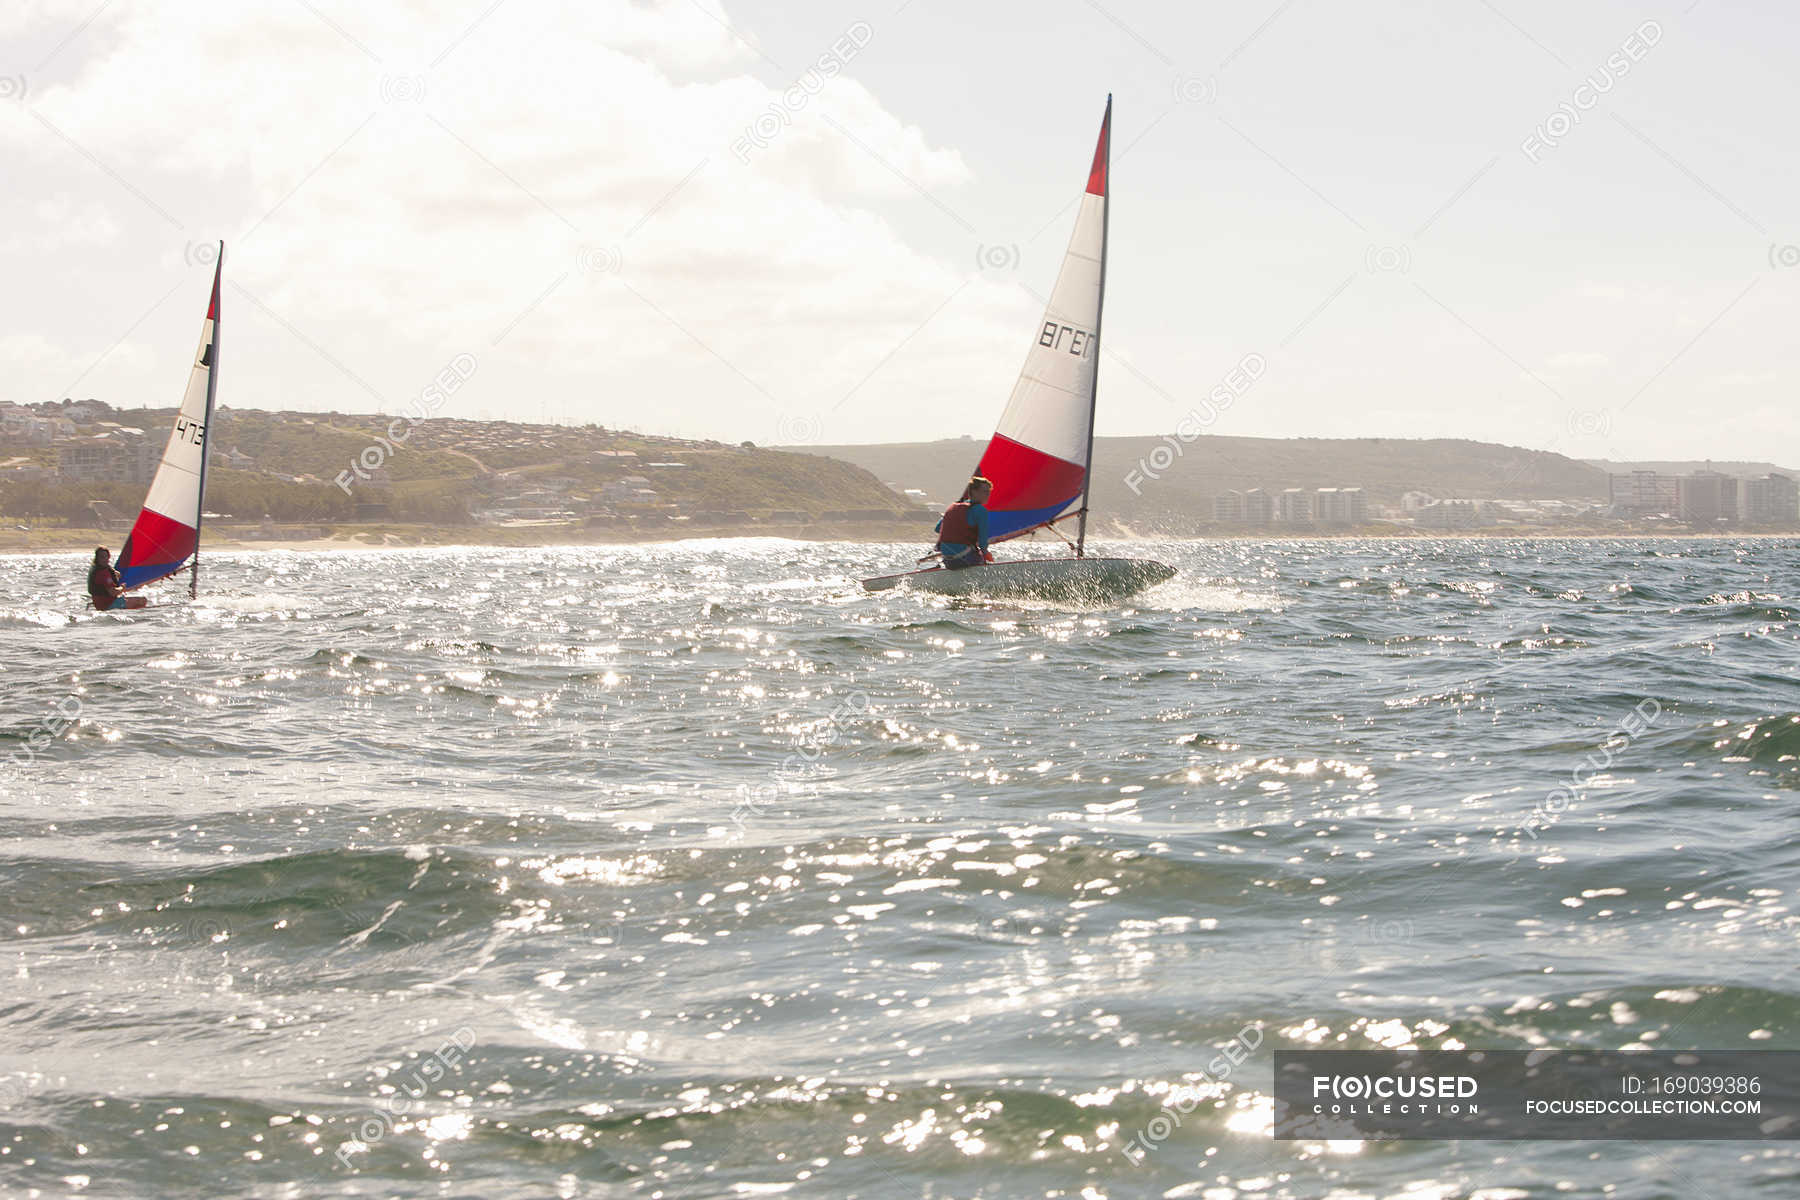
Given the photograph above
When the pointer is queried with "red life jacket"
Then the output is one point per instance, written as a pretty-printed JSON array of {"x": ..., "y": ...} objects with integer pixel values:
[
  {"x": 956, "y": 528},
  {"x": 103, "y": 587}
]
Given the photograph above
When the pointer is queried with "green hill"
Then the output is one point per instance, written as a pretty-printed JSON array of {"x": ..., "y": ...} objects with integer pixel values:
[{"x": 316, "y": 467}]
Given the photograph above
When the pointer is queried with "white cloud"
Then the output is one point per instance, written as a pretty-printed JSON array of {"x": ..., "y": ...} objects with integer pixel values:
[
  {"x": 549, "y": 184},
  {"x": 61, "y": 223},
  {"x": 416, "y": 180},
  {"x": 1578, "y": 358},
  {"x": 34, "y": 353}
]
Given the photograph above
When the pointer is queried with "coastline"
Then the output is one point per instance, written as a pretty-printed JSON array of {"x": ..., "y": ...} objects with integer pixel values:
[{"x": 389, "y": 536}]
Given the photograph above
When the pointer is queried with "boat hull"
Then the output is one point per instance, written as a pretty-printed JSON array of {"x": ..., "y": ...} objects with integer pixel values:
[{"x": 1069, "y": 579}]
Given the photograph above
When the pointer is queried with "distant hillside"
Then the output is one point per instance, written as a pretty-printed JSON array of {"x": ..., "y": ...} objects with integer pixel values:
[
  {"x": 1385, "y": 468},
  {"x": 445, "y": 470},
  {"x": 500, "y": 457},
  {"x": 1743, "y": 470}
]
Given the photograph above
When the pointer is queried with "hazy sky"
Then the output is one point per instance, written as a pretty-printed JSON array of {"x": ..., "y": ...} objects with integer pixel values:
[{"x": 611, "y": 207}]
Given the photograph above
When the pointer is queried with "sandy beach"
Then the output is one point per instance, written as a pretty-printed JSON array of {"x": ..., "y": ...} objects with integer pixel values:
[
  {"x": 350, "y": 537},
  {"x": 58, "y": 541}
]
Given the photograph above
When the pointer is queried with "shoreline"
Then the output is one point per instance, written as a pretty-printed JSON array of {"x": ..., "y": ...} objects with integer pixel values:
[{"x": 391, "y": 537}]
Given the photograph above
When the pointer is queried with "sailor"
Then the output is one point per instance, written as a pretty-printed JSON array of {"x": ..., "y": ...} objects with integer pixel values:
[
  {"x": 963, "y": 529},
  {"x": 105, "y": 587}
]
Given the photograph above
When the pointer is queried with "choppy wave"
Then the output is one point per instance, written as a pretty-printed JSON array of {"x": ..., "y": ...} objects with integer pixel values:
[{"x": 692, "y": 870}]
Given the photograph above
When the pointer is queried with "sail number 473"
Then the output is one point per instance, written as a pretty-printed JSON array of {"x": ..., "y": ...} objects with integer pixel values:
[{"x": 189, "y": 430}]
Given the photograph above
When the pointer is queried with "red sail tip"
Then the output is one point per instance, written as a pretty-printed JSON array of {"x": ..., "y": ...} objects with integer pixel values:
[
  {"x": 1097, "y": 176},
  {"x": 212, "y": 305}
]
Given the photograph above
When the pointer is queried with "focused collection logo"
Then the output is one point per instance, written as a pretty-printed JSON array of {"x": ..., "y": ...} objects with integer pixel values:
[{"x": 1407, "y": 1095}]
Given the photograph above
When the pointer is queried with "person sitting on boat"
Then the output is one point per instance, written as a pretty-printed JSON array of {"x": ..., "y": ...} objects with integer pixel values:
[
  {"x": 963, "y": 529},
  {"x": 105, "y": 587}
]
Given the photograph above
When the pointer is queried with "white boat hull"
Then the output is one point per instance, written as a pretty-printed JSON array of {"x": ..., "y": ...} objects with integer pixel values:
[{"x": 1069, "y": 579}]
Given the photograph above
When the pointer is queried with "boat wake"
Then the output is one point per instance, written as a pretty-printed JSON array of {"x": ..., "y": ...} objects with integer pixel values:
[
  {"x": 36, "y": 618},
  {"x": 1186, "y": 595},
  {"x": 266, "y": 604}
]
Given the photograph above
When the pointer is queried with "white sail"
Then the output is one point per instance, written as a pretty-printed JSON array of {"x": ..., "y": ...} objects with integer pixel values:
[
  {"x": 166, "y": 534},
  {"x": 1038, "y": 459}
]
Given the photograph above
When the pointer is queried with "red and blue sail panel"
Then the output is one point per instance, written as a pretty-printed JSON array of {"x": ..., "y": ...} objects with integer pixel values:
[
  {"x": 167, "y": 530},
  {"x": 1038, "y": 459},
  {"x": 157, "y": 547},
  {"x": 1031, "y": 488}
]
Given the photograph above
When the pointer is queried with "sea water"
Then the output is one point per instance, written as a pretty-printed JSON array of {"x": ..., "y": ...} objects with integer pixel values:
[{"x": 692, "y": 870}]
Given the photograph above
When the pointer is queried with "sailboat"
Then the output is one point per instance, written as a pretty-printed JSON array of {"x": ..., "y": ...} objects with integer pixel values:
[
  {"x": 165, "y": 538},
  {"x": 1042, "y": 454}
]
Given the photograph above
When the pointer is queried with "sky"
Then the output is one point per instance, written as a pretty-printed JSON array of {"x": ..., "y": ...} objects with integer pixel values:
[{"x": 1565, "y": 227}]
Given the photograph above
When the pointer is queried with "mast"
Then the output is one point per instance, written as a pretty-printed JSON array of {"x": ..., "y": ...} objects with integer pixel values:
[
  {"x": 212, "y": 383},
  {"x": 1087, "y": 478}
]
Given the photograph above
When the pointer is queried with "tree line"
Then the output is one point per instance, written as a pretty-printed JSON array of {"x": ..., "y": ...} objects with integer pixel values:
[{"x": 244, "y": 496}]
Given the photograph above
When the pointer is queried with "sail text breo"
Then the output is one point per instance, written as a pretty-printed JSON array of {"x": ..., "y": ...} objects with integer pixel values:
[
  {"x": 1078, "y": 342},
  {"x": 780, "y": 113},
  {"x": 1197, "y": 421},
  {"x": 441, "y": 388}
]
